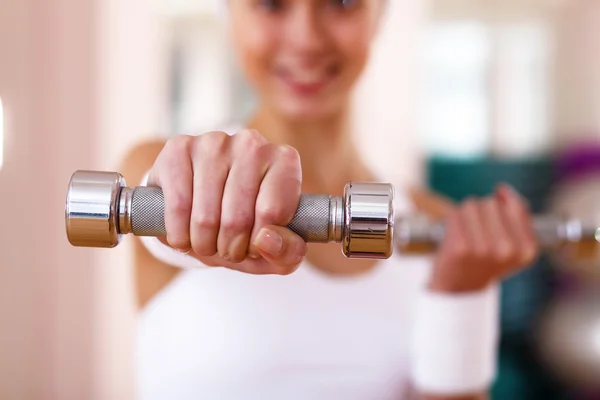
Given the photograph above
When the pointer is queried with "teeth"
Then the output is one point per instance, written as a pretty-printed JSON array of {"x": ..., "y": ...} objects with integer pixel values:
[{"x": 308, "y": 77}]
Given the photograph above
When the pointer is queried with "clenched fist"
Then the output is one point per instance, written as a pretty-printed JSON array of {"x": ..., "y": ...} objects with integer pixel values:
[
  {"x": 228, "y": 200},
  {"x": 486, "y": 240}
]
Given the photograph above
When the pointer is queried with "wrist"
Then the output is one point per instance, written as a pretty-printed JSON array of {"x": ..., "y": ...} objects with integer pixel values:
[
  {"x": 455, "y": 341},
  {"x": 443, "y": 280},
  {"x": 449, "y": 287}
]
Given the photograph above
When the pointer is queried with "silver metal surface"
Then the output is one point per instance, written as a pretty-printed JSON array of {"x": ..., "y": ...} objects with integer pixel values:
[
  {"x": 417, "y": 234},
  {"x": 552, "y": 231},
  {"x": 312, "y": 221},
  {"x": 574, "y": 230},
  {"x": 369, "y": 220},
  {"x": 91, "y": 214},
  {"x": 336, "y": 219},
  {"x": 125, "y": 211},
  {"x": 148, "y": 212}
]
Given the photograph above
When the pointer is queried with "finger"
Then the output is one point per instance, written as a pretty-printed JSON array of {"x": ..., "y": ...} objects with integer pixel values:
[
  {"x": 456, "y": 241},
  {"x": 239, "y": 196},
  {"x": 519, "y": 223},
  {"x": 497, "y": 235},
  {"x": 474, "y": 229},
  {"x": 279, "y": 193},
  {"x": 210, "y": 173},
  {"x": 454, "y": 251},
  {"x": 253, "y": 266},
  {"x": 281, "y": 247},
  {"x": 173, "y": 173}
]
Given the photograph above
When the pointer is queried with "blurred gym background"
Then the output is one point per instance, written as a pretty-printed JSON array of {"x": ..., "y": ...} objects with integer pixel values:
[{"x": 460, "y": 94}]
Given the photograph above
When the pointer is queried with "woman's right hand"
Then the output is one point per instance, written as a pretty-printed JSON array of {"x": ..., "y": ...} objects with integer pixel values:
[{"x": 228, "y": 200}]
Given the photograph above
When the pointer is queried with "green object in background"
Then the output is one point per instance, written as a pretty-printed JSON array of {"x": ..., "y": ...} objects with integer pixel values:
[
  {"x": 523, "y": 295},
  {"x": 458, "y": 178}
]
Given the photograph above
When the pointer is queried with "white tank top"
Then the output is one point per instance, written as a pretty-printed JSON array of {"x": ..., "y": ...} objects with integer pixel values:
[{"x": 218, "y": 334}]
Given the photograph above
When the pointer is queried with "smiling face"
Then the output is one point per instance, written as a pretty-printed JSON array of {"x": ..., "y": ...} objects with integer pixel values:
[{"x": 303, "y": 56}]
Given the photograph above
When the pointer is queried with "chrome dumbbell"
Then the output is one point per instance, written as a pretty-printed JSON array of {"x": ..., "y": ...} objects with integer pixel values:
[{"x": 100, "y": 209}]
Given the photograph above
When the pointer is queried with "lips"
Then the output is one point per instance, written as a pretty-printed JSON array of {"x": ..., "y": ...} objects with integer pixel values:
[{"x": 304, "y": 81}]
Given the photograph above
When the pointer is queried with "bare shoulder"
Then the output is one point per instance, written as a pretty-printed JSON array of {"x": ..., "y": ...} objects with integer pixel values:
[{"x": 151, "y": 275}]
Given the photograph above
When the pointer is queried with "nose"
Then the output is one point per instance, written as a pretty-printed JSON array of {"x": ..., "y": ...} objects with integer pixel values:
[{"x": 306, "y": 31}]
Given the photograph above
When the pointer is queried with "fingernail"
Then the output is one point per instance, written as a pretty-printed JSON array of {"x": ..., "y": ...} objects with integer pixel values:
[
  {"x": 269, "y": 242},
  {"x": 504, "y": 191},
  {"x": 509, "y": 189},
  {"x": 235, "y": 252},
  {"x": 182, "y": 251}
]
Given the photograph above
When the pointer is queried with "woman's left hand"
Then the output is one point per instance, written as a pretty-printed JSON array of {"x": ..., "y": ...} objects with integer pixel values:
[{"x": 486, "y": 240}]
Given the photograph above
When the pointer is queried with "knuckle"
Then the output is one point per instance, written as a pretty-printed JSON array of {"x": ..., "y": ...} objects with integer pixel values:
[
  {"x": 271, "y": 212},
  {"x": 250, "y": 139},
  {"x": 212, "y": 141},
  {"x": 180, "y": 144},
  {"x": 459, "y": 251},
  {"x": 204, "y": 222},
  {"x": 504, "y": 253},
  {"x": 481, "y": 251},
  {"x": 288, "y": 153},
  {"x": 470, "y": 204},
  {"x": 179, "y": 205},
  {"x": 237, "y": 224},
  {"x": 490, "y": 202}
]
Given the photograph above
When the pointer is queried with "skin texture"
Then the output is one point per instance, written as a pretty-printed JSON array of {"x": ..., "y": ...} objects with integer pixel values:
[{"x": 229, "y": 198}]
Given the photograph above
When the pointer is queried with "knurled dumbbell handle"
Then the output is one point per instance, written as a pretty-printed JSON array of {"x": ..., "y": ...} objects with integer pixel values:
[
  {"x": 100, "y": 209},
  {"x": 313, "y": 220}
]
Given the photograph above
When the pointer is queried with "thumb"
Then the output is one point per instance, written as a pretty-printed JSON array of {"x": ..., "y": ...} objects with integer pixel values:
[
  {"x": 431, "y": 204},
  {"x": 280, "y": 246}
]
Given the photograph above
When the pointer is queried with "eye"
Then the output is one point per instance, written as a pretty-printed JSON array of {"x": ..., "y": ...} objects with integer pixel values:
[
  {"x": 270, "y": 5},
  {"x": 344, "y": 4}
]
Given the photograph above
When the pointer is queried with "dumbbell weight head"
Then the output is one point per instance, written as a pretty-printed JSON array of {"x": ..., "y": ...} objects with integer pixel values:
[
  {"x": 577, "y": 194},
  {"x": 92, "y": 209}
]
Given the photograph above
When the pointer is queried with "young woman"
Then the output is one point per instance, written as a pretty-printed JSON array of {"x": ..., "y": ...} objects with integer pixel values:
[{"x": 287, "y": 320}]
